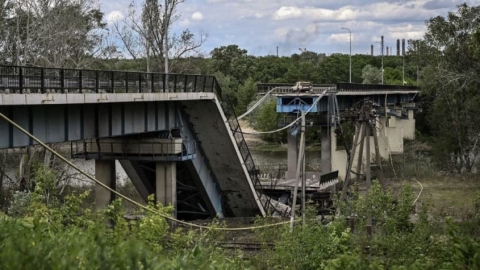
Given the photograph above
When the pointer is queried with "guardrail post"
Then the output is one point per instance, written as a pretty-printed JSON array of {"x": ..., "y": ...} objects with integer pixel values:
[
  {"x": 112, "y": 81},
  {"x": 140, "y": 82},
  {"x": 195, "y": 84},
  {"x": 185, "y": 84},
  {"x": 152, "y": 83},
  {"x": 42, "y": 80},
  {"x": 97, "y": 81},
  {"x": 20, "y": 79},
  {"x": 62, "y": 80},
  {"x": 80, "y": 81},
  {"x": 175, "y": 83},
  {"x": 126, "y": 82},
  {"x": 164, "y": 76}
]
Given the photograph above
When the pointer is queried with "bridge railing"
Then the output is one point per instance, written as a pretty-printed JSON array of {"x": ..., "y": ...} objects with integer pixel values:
[
  {"x": 241, "y": 143},
  {"x": 360, "y": 87},
  {"x": 284, "y": 88},
  {"x": 263, "y": 88},
  {"x": 20, "y": 79}
]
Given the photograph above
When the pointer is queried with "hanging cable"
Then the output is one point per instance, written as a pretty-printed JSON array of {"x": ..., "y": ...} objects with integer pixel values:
[
  {"x": 260, "y": 101},
  {"x": 294, "y": 121},
  {"x": 125, "y": 197}
]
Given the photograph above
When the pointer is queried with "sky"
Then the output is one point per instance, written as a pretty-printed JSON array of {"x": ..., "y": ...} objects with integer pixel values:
[{"x": 260, "y": 26}]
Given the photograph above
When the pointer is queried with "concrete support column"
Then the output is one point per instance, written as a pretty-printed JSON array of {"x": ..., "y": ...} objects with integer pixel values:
[
  {"x": 292, "y": 155},
  {"x": 166, "y": 183},
  {"x": 326, "y": 150},
  {"x": 105, "y": 173}
]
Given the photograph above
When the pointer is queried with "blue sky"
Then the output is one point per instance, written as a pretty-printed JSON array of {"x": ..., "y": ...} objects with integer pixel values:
[{"x": 259, "y": 26}]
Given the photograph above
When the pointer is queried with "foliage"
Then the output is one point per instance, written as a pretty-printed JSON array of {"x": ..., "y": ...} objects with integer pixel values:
[
  {"x": 143, "y": 35},
  {"x": 371, "y": 75},
  {"x": 246, "y": 94},
  {"x": 396, "y": 242},
  {"x": 68, "y": 234},
  {"x": 450, "y": 85},
  {"x": 267, "y": 120},
  {"x": 61, "y": 33}
]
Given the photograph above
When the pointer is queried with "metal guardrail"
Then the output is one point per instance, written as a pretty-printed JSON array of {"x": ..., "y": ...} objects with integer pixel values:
[
  {"x": 20, "y": 79},
  {"x": 283, "y": 88},
  {"x": 358, "y": 87},
  {"x": 241, "y": 143},
  {"x": 104, "y": 148}
]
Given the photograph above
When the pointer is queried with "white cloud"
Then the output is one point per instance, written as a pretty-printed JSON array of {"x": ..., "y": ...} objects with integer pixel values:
[
  {"x": 114, "y": 16},
  {"x": 197, "y": 16},
  {"x": 184, "y": 23},
  {"x": 291, "y": 24},
  {"x": 340, "y": 38},
  {"x": 285, "y": 13}
]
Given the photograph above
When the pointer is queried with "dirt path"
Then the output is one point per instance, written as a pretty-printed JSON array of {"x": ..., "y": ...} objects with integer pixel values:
[{"x": 251, "y": 139}]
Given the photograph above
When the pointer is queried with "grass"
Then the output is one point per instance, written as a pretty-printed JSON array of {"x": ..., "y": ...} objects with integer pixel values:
[
  {"x": 270, "y": 148},
  {"x": 283, "y": 148},
  {"x": 451, "y": 196}
]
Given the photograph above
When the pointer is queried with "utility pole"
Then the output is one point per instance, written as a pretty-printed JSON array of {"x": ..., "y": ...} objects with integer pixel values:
[
  {"x": 382, "y": 59},
  {"x": 350, "y": 52},
  {"x": 364, "y": 123},
  {"x": 304, "y": 179},
  {"x": 166, "y": 23},
  {"x": 301, "y": 155}
]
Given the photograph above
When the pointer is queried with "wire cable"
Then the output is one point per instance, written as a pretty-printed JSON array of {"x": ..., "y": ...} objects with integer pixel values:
[
  {"x": 419, "y": 193},
  {"x": 260, "y": 101},
  {"x": 125, "y": 197},
  {"x": 294, "y": 121}
]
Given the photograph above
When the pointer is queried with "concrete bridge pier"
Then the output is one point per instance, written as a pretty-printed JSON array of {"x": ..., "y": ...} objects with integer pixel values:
[
  {"x": 326, "y": 154},
  {"x": 104, "y": 172},
  {"x": 292, "y": 156},
  {"x": 166, "y": 183}
]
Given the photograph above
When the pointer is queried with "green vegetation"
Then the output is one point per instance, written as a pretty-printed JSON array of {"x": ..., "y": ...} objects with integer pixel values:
[
  {"x": 449, "y": 63},
  {"x": 47, "y": 228},
  {"x": 69, "y": 235}
]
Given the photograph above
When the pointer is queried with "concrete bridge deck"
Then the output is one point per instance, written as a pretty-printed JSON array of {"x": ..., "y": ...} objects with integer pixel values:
[{"x": 100, "y": 115}]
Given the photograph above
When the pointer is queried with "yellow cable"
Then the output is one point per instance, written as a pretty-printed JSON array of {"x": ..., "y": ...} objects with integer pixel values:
[{"x": 125, "y": 197}]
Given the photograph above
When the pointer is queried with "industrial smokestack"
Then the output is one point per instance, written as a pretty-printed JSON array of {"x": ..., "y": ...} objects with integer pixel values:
[
  {"x": 398, "y": 47},
  {"x": 371, "y": 50},
  {"x": 387, "y": 51},
  {"x": 403, "y": 47},
  {"x": 382, "y": 45}
]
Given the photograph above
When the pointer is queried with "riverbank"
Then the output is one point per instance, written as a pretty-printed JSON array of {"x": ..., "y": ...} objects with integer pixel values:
[{"x": 257, "y": 144}]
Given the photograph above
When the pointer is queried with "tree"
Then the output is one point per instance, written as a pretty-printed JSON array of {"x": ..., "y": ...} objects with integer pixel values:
[
  {"x": 143, "y": 36},
  {"x": 225, "y": 58},
  {"x": 53, "y": 33},
  {"x": 450, "y": 83},
  {"x": 371, "y": 75},
  {"x": 246, "y": 94},
  {"x": 267, "y": 120}
]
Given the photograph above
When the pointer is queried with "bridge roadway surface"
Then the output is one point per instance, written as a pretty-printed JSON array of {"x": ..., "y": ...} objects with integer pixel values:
[{"x": 66, "y": 105}]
